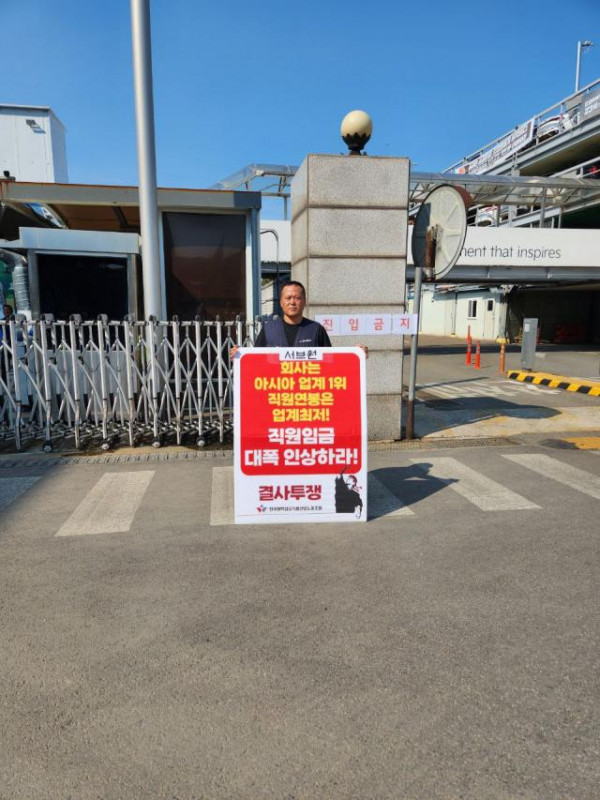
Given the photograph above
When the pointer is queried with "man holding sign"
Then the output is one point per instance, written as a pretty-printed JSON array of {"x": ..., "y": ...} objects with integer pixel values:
[
  {"x": 300, "y": 422},
  {"x": 293, "y": 330}
]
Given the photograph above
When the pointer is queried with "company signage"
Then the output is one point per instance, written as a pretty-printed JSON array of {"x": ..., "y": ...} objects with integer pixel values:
[
  {"x": 591, "y": 105},
  {"x": 300, "y": 435},
  {"x": 501, "y": 151},
  {"x": 529, "y": 247}
]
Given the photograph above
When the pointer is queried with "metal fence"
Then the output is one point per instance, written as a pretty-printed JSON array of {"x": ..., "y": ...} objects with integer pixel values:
[{"x": 108, "y": 381}]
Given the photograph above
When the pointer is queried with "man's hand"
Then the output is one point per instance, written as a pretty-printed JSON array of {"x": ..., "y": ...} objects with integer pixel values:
[
  {"x": 234, "y": 351},
  {"x": 364, "y": 348}
]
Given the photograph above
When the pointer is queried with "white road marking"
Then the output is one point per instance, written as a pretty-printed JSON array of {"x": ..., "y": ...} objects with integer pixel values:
[
  {"x": 110, "y": 506},
  {"x": 221, "y": 501},
  {"x": 383, "y": 503},
  {"x": 550, "y": 467},
  {"x": 483, "y": 492},
  {"x": 11, "y": 488},
  {"x": 504, "y": 388}
]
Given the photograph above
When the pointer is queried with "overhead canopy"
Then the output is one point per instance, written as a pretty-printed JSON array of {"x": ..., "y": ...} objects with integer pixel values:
[
  {"x": 498, "y": 190},
  {"x": 110, "y": 208},
  {"x": 486, "y": 190}
]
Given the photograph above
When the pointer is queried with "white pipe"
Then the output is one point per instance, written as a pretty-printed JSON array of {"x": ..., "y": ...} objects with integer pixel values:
[
  {"x": 144, "y": 123},
  {"x": 20, "y": 278}
]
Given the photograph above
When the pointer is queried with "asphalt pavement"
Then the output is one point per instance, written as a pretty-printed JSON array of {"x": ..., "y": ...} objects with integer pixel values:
[{"x": 445, "y": 648}]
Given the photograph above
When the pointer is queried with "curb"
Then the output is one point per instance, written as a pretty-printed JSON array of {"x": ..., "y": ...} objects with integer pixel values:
[{"x": 556, "y": 381}]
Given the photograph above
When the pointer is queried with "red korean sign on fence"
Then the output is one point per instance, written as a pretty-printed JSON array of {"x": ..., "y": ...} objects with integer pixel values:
[{"x": 300, "y": 435}]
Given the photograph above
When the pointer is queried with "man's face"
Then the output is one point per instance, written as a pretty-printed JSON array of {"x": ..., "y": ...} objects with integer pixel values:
[
  {"x": 7, "y": 311},
  {"x": 292, "y": 302}
]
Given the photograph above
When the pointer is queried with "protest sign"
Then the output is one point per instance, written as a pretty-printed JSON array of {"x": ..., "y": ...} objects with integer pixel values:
[{"x": 300, "y": 435}]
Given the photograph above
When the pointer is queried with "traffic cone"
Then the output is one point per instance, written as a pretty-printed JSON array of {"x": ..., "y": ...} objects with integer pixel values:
[
  {"x": 468, "y": 358},
  {"x": 478, "y": 356}
]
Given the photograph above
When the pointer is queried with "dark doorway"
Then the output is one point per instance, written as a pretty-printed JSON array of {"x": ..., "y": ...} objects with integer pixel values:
[
  {"x": 205, "y": 265},
  {"x": 86, "y": 285}
]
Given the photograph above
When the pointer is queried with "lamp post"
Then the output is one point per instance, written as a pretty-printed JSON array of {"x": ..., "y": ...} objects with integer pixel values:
[{"x": 580, "y": 47}]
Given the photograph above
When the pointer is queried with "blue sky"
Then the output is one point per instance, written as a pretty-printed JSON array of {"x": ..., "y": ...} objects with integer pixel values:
[{"x": 239, "y": 82}]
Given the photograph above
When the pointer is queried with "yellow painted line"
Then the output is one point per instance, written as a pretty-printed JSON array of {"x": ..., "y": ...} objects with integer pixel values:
[
  {"x": 555, "y": 381},
  {"x": 584, "y": 442}
]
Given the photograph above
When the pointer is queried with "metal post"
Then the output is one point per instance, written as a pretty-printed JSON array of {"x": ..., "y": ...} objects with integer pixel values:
[
  {"x": 430, "y": 244},
  {"x": 144, "y": 123}
]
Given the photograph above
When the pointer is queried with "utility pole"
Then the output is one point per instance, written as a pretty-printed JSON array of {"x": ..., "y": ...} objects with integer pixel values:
[{"x": 146, "y": 151}]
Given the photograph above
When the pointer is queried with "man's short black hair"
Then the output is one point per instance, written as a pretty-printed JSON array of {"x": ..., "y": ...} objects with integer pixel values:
[{"x": 292, "y": 283}]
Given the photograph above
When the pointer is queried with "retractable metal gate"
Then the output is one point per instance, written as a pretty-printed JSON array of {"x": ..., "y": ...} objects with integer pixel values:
[{"x": 108, "y": 380}]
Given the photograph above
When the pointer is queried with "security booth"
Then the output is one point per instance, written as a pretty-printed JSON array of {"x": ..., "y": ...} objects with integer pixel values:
[{"x": 84, "y": 255}]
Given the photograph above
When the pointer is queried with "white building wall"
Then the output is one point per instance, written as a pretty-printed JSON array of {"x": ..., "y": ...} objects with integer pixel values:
[
  {"x": 433, "y": 313},
  {"x": 453, "y": 313},
  {"x": 32, "y": 144}
]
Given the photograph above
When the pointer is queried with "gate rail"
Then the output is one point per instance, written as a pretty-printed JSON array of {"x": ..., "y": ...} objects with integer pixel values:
[{"x": 111, "y": 380}]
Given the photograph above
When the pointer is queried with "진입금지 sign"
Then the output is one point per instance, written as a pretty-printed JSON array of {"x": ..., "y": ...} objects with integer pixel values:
[{"x": 300, "y": 435}]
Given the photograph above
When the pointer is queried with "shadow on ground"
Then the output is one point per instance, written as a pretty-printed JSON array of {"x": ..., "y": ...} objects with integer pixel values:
[
  {"x": 413, "y": 484},
  {"x": 439, "y": 414}
]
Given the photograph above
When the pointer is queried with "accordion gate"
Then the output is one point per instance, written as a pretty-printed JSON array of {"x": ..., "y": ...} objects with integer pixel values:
[{"x": 105, "y": 380}]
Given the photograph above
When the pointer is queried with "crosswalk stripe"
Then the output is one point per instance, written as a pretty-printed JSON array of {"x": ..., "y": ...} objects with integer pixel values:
[
  {"x": 11, "y": 488},
  {"x": 483, "y": 492},
  {"x": 383, "y": 503},
  {"x": 110, "y": 506},
  {"x": 221, "y": 501},
  {"x": 550, "y": 467}
]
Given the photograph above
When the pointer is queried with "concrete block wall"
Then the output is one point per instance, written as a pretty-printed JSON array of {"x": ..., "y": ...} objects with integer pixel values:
[{"x": 349, "y": 228}]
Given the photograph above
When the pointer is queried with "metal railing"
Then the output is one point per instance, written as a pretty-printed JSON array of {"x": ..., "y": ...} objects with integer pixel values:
[
  {"x": 558, "y": 118},
  {"x": 107, "y": 381}
]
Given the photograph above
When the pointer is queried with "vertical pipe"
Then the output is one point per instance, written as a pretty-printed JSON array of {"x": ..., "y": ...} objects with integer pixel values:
[
  {"x": 102, "y": 347},
  {"x": 47, "y": 384},
  {"x": 429, "y": 266},
  {"x": 255, "y": 234},
  {"x": 144, "y": 123},
  {"x": 221, "y": 410},
  {"x": 75, "y": 379},
  {"x": 177, "y": 369},
  {"x": 16, "y": 376},
  {"x": 578, "y": 66},
  {"x": 129, "y": 346},
  {"x": 199, "y": 394}
]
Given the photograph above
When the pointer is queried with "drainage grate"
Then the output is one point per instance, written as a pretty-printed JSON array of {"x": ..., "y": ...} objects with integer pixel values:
[
  {"x": 139, "y": 458},
  {"x": 435, "y": 444}
]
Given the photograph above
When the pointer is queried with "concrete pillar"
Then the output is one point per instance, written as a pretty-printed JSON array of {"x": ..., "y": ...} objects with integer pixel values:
[{"x": 349, "y": 227}]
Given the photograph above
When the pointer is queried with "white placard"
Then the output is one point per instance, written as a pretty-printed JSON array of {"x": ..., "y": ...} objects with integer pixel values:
[
  {"x": 405, "y": 324},
  {"x": 370, "y": 324},
  {"x": 331, "y": 323},
  {"x": 352, "y": 324},
  {"x": 378, "y": 324}
]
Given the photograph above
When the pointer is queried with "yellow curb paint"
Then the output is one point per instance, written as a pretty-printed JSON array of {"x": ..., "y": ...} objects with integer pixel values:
[
  {"x": 584, "y": 442},
  {"x": 554, "y": 381}
]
